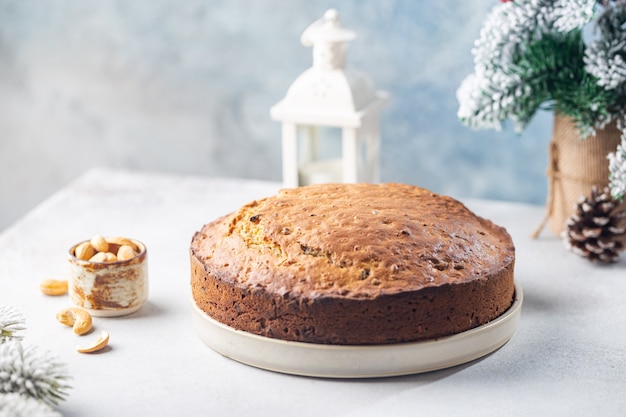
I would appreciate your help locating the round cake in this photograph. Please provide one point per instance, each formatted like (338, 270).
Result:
(353, 264)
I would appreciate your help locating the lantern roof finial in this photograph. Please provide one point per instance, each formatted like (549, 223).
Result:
(327, 29)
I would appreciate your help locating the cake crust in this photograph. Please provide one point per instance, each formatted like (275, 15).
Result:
(353, 264)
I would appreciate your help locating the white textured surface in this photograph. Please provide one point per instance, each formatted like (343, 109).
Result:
(186, 87)
(566, 359)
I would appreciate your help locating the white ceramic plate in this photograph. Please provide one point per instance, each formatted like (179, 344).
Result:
(344, 361)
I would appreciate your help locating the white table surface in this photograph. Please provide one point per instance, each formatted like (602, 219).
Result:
(567, 358)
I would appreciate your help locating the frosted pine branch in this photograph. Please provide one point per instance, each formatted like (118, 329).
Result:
(16, 405)
(617, 170)
(605, 57)
(11, 323)
(494, 91)
(572, 14)
(511, 25)
(484, 106)
(508, 26)
(26, 371)
(531, 55)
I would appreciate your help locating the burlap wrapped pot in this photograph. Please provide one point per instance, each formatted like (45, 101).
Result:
(575, 165)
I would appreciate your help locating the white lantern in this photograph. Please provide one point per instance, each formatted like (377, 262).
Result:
(328, 95)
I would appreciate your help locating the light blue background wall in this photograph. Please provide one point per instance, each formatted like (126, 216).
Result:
(186, 87)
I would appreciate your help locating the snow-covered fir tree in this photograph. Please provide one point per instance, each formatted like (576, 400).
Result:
(31, 381)
(30, 372)
(531, 55)
(17, 405)
(11, 324)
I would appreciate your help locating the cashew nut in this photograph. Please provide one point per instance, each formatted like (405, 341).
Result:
(77, 318)
(121, 241)
(53, 286)
(110, 249)
(103, 257)
(84, 251)
(125, 252)
(101, 341)
(99, 243)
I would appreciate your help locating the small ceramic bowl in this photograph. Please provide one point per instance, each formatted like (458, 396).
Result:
(109, 289)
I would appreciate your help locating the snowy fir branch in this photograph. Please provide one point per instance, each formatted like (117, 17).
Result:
(531, 55)
(31, 381)
(606, 56)
(29, 372)
(617, 170)
(11, 324)
(17, 405)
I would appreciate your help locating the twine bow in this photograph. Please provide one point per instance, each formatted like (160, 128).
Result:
(552, 173)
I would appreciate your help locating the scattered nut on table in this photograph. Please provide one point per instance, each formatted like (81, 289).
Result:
(100, 342)
(53, 286)
(77, 318)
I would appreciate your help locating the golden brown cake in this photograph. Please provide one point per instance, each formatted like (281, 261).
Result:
(353, 264)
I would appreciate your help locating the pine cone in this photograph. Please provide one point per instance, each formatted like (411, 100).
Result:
(596, 230)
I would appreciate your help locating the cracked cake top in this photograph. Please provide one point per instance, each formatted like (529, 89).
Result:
(353, 240)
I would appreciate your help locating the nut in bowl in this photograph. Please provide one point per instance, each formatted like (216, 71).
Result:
(108, 276)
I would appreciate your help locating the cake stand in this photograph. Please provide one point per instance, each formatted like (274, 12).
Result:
(360, 361)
